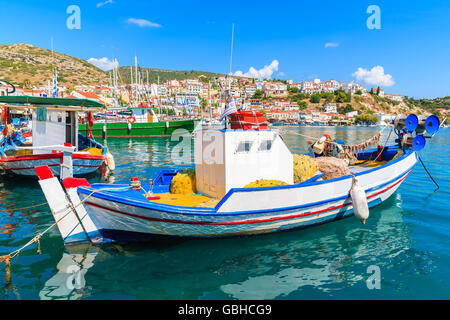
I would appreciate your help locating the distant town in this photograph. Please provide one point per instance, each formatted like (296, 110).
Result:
(309, 102)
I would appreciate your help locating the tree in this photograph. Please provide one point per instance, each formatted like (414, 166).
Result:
(378, 91)
(258, 94)
(366, 119)
(341, 97)
(315, 98)
(294, 90)
(349, 97)
(343, 110)
(204, 104)
(302, 105)
(27, 83)
(358, 92)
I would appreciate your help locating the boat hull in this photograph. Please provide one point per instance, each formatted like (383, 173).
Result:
(25, 165)
(138, 130)
(244, 211)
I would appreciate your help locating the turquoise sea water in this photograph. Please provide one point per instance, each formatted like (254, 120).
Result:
(407, 237)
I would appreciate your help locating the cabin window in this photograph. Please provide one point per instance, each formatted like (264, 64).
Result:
(244, 146)
(266, 145)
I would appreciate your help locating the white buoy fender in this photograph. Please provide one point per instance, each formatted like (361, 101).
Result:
(110, 161)
(360, 205)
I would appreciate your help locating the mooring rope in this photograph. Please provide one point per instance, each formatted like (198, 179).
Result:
(6, 259)
(30, 207)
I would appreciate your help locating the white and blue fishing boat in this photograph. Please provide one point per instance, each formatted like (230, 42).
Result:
(134, 211)
(53, 133)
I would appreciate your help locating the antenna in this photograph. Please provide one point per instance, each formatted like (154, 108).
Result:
(231, 56)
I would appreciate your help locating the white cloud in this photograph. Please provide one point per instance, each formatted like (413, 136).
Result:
(331, 45)
(143, 23)
(101, 4)
(264, 73)
(376, 76)
(104, 63)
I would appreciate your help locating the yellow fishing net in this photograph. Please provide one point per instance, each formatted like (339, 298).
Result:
(185, 200)
(24, 152)
(183, 183)
(93, 151)
(265, 183)
(304, 168)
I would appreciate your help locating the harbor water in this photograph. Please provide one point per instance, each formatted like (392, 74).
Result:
(405, 243)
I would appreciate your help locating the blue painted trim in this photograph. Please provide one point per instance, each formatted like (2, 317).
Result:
(233, 190)
(212, 212)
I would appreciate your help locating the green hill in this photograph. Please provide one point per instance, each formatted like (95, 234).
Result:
(26, 65)
(125, 73)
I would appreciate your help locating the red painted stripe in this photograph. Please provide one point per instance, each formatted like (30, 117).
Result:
(48, 165)
(51, 156)
(33, 157)
(54, 165)
(87, 156)
(244, 221)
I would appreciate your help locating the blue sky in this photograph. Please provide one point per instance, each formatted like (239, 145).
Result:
(412, 46)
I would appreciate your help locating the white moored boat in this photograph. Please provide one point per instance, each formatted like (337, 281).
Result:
(121, 212)
(54, 132)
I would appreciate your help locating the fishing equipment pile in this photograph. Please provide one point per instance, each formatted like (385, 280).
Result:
(184, 183)
(332, 167)
(304, 168)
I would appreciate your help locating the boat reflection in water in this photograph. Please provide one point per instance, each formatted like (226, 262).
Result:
(315, 262)
(69, 283)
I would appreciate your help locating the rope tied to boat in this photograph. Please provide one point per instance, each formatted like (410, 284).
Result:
(6, 259)
(346, 147)
(30, 207)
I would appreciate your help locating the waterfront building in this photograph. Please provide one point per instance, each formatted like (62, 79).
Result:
(330, 108)
(394, 97)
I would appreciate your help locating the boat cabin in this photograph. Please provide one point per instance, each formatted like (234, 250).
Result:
(227, 158)
(54, 120)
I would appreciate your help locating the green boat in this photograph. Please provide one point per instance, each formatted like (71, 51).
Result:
(133, 122)
(138, 129)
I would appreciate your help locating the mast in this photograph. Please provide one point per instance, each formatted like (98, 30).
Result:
(131, 85)
(209, 101)
(136, 69)
(228, 84)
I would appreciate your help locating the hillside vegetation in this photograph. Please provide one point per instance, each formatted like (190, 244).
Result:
(125, 74)
(26, 65)
(364, 103)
